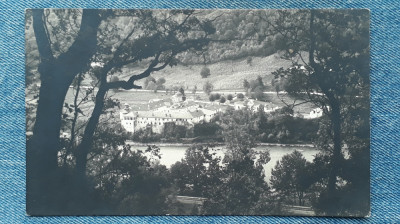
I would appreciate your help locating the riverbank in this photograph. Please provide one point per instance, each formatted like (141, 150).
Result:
(164, 144)
(161, 144)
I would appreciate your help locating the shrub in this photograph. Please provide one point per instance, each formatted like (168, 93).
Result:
(211, 97)
(205, 72)
(249, 60)
(206, 129)
(208, 88)
(215, 96)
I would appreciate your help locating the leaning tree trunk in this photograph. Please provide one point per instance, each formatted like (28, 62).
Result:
(85, 146)
(87, 139)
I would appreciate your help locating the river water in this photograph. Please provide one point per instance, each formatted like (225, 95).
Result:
(171, 154)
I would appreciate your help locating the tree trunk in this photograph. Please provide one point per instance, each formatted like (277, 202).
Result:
(336, 155)
(301, 195)
(43, 147)
(87, 140)
(75, 119)
(335, 113)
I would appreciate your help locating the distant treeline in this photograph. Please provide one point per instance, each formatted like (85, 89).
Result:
(267, 128)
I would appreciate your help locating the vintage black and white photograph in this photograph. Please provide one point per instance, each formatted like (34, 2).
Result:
(197, 112)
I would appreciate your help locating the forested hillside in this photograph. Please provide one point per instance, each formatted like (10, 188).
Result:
(242, 44)
(239, 34)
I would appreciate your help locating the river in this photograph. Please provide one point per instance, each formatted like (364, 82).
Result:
(171, 154)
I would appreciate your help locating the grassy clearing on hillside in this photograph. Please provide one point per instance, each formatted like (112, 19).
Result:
(224, 75)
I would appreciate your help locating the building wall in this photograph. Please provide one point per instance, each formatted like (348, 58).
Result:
(316, 113)
(133, 124)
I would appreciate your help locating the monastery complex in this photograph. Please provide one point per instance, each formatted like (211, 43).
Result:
(185, 112)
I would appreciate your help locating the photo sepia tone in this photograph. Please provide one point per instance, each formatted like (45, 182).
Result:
(197, 112)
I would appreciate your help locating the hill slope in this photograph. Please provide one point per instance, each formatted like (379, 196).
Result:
(224, 75)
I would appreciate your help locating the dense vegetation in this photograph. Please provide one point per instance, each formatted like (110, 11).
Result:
(276, 127)
(240, 34)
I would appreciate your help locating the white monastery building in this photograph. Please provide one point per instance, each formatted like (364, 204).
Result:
(160, 112)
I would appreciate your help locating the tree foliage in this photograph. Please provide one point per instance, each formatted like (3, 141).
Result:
(255, 88)
(244, 190)
(214, 96)
(205, 72)
(131, 181)
(289, 177)
(208, 87)
(206, 129)
(198, 173)
(329, 50)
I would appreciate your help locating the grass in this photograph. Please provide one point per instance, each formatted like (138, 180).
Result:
(224, 75)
